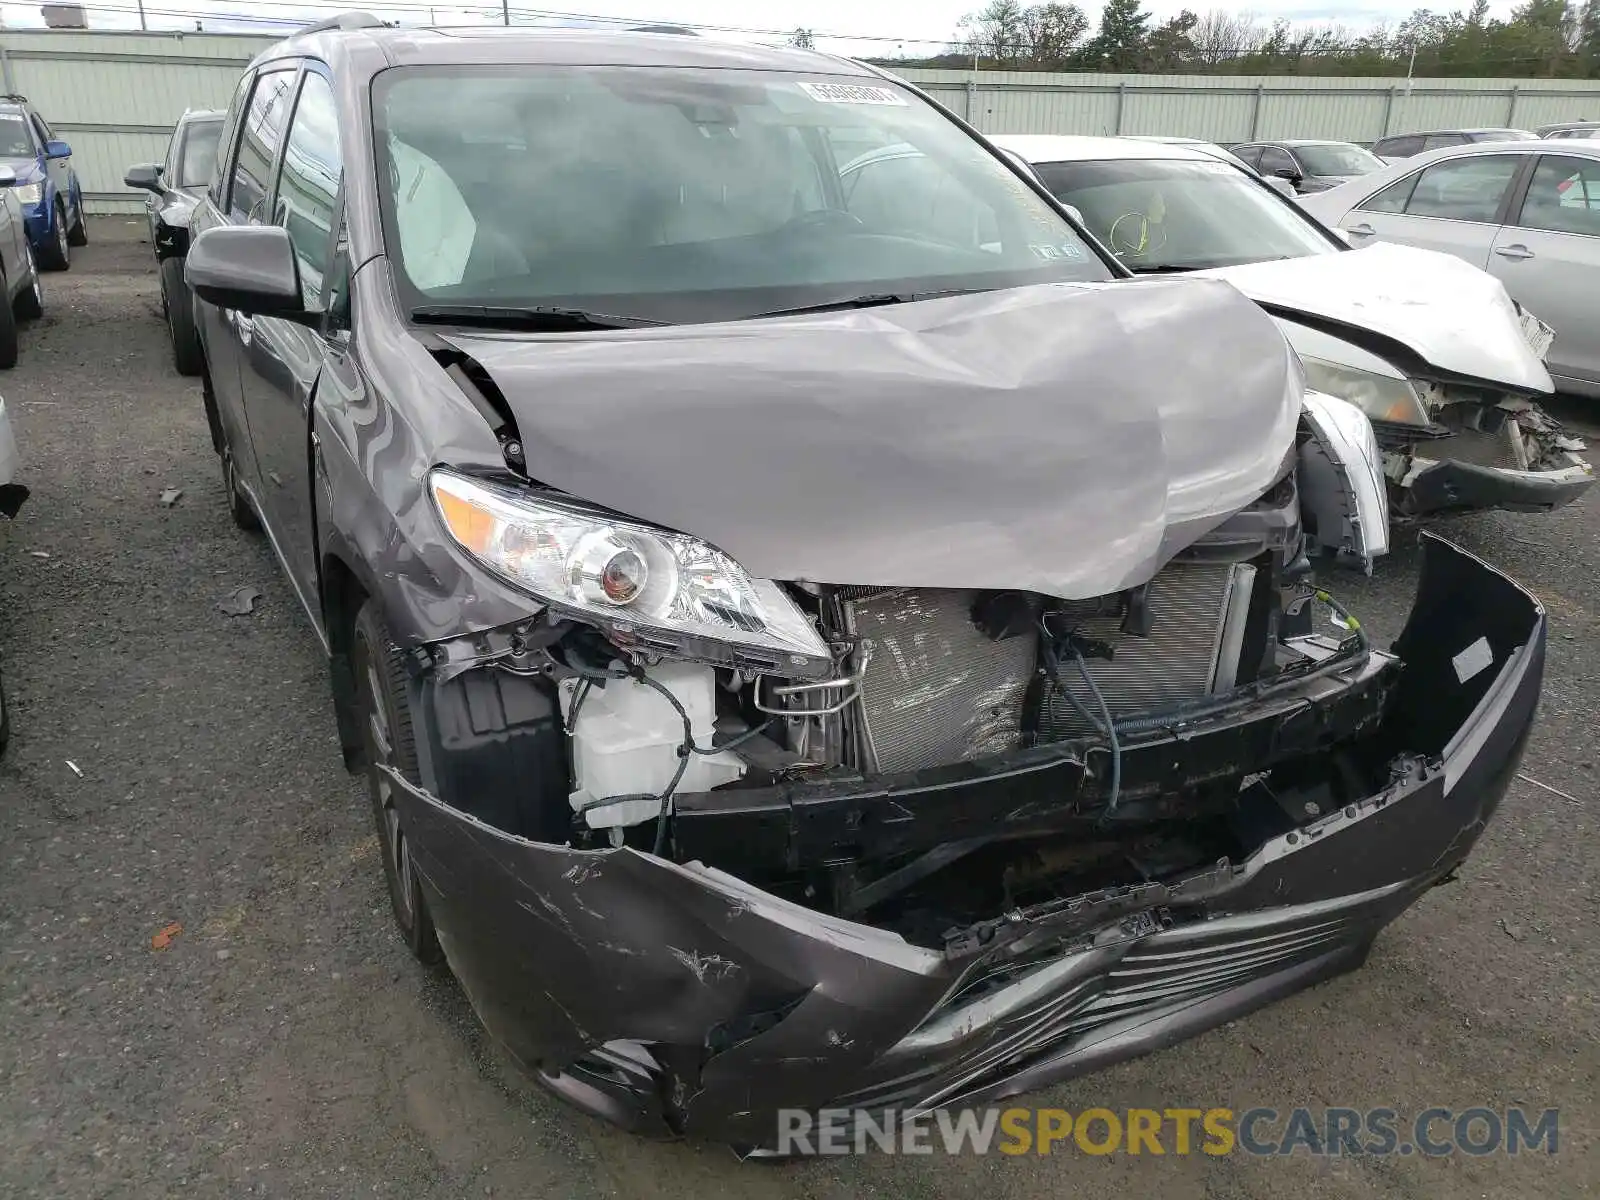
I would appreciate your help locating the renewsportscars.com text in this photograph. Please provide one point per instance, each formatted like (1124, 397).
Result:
(1433, 1132)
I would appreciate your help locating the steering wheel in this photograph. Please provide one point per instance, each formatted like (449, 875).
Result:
(1133, 234)
(823, 218)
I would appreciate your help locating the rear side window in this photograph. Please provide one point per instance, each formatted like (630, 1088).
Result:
(261, 132)
(230, 128)
(308, 185)
(1250, 154)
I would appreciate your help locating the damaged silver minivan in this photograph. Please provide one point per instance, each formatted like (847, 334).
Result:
(803, 656)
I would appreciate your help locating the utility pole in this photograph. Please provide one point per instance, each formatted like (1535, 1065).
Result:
(505, 12)
(142, 25)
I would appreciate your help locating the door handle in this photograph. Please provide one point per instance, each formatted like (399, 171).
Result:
(1516, 250)
(1363, 230)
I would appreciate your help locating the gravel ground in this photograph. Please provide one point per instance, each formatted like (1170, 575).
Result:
(283, 1044)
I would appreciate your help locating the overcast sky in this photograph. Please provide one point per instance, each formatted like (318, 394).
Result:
(884, 27)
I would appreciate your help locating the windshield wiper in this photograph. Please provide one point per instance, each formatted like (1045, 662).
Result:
(869, 300)
(535, 319)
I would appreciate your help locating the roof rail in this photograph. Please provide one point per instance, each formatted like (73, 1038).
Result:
(346, 20)
(677, 29)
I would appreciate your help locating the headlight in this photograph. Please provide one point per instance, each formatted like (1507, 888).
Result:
(1381, 397)
(668, 591)
(28, 193)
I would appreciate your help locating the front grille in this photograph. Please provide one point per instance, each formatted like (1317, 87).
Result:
(1173, 666)
(936, 689)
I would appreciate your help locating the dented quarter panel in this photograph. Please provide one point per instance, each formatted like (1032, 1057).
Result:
(978, 441)
(1455, 318)
(730, 1003)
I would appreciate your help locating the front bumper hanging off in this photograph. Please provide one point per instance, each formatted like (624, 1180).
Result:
(676, 999)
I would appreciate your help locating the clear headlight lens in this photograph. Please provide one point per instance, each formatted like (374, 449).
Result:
(1381, 397)
(28, 193)
(631, 578)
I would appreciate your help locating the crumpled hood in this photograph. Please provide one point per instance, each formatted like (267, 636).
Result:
(1455, 317)
(1065, 439)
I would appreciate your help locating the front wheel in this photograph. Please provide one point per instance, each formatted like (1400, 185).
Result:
(29, 304)
(55, 255)
(180, 318)
(78, 235)
(8, 335)
(388, 740)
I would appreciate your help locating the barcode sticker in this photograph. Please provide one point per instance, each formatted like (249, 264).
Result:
(852, 93)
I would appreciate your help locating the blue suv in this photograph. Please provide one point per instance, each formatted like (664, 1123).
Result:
(47, 186)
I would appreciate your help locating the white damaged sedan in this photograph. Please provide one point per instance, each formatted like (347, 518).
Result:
(1447, 365)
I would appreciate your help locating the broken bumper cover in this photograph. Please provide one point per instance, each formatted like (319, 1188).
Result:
(675, 999)
(1451, 486)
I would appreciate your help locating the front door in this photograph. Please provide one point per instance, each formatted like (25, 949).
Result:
(280, 364)
(1453, 206)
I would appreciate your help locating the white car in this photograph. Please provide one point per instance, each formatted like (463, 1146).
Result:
(1526, 212)
(1433, 350)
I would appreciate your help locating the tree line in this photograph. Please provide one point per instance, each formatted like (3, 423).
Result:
(1552, 39)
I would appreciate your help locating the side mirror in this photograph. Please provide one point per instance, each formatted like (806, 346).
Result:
(1076, 214)
(8, 177)
(1289, 173)
(57, 149)
(1282, 186)
(250, 269)
(146, 177)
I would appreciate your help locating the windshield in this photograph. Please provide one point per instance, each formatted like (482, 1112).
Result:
(199, 153)
(1159, 214)
(691, 195)
(1337, 158)
(14, 139)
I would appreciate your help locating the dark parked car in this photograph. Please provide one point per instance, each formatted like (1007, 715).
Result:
(808, 649)
(47, 185)
(21, 298)
(1310, 166)
(175, 186)
(1406, 145)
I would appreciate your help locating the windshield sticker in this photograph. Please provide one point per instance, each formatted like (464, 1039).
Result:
(1051, 252)
(852, 93)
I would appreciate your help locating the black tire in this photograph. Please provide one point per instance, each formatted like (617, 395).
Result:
(238, 504)
(78, 235)
(54, 255)
(29, 304)
(389, 741)
(8, 336)
(180, 319)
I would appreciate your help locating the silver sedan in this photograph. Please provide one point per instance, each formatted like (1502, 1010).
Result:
(1527, 212)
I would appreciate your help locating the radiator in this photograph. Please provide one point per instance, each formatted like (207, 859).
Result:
(1176, 664)
(936, 690)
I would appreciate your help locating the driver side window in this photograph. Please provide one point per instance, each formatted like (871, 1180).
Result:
(1275, 159)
